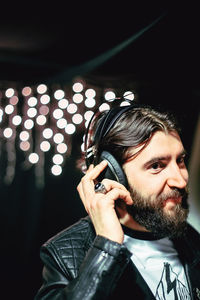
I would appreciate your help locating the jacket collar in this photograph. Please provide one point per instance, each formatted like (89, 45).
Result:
(187, 246)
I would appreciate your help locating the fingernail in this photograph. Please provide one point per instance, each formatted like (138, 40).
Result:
(104, 162)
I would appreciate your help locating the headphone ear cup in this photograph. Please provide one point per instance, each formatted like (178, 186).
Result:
(113, 171)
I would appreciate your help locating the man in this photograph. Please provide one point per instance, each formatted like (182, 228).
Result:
(135, 242)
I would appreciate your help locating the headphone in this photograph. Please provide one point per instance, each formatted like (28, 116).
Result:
(113, 171)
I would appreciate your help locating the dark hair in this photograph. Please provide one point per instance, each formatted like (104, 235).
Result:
(134, 128)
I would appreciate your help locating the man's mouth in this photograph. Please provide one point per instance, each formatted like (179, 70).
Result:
(172, 201)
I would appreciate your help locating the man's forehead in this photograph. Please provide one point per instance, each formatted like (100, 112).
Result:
(161, 143)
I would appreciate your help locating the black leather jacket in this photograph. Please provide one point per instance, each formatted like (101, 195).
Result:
(78, 265)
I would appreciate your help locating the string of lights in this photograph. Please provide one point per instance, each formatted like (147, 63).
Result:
(36, 120)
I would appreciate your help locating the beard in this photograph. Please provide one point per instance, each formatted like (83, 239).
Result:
(151, 214)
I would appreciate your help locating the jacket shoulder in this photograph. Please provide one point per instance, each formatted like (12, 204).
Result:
(188, 245)
(193, 234)
(68, 248)
(77, 231)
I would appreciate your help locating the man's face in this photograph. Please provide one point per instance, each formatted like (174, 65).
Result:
(158, 180)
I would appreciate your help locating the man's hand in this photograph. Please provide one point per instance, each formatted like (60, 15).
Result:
(101, 207)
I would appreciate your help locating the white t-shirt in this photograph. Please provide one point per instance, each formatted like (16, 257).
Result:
(159, 264)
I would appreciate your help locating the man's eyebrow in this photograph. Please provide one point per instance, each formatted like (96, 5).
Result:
(155, 159)
(162, 158)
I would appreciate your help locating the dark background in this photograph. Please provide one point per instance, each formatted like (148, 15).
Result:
(53, 43)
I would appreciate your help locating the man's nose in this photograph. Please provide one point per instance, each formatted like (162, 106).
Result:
(177, 177)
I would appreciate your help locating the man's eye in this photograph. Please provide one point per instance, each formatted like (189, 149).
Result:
(181, 160)
(155, 166)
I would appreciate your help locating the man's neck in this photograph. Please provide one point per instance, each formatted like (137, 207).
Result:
(126, 220)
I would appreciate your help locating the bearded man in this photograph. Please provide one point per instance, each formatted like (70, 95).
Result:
(135, 240)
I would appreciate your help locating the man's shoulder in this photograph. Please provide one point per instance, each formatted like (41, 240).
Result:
(189, 244)
(78, 234)
(192, 233)
(68, 248)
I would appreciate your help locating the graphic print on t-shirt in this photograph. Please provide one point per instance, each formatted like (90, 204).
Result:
(170, 287)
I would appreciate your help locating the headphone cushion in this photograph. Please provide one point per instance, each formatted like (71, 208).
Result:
(113, 171)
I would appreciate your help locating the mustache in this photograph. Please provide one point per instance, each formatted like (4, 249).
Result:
(176, 193)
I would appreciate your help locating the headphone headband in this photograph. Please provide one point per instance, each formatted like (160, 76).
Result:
(110, 119)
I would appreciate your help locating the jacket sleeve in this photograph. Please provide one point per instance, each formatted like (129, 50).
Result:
(98, 274)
